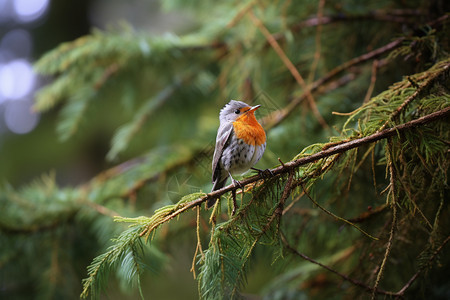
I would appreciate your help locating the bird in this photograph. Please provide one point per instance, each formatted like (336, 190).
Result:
(240, 144)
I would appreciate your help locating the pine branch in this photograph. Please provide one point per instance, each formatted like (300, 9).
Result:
(398, 16)
(435, 78)
(7, 228)
(287, 167)
(378, 15)
(125, 179)
(124, 249)
(126, 132)
(370, 55)
(276, 117)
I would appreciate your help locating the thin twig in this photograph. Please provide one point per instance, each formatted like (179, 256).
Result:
(102, 209)
(368, 214)
(401, 292)
(278, 116)
(241, 14)
(377, 15)
(360, 59)
(199, 244)
(108, 72)
(393, 194)
(286, 192)
(276, 215)
(295, 200)
(373, 79)
(291, 67)
(335, 216)
(314, 64)
(343, 276)
(436, 77)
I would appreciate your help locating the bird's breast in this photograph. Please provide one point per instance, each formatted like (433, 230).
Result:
(249, 130)
(240, 156)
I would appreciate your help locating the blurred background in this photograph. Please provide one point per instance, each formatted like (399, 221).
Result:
(29, 143)
(28, 29)
(110, 108)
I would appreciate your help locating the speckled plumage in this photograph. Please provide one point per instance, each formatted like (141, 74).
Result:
(238, 156)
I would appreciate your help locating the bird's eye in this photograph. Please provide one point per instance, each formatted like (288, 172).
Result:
(237, 111)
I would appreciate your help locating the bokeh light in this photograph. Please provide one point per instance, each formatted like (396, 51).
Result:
(16, 79)
(29, 10)
(17, 43)
(19, 118)
(5, 11)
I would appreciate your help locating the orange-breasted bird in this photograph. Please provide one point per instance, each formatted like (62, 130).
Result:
(240, 143)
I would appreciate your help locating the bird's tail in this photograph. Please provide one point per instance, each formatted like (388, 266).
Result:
(217, 186)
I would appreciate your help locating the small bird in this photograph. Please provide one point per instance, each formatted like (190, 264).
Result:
(240, 144)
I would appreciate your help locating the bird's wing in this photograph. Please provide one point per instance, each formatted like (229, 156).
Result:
(223, 135)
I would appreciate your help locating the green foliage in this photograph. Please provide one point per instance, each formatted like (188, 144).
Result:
(377, 212)
(127, 250)
(225, 263)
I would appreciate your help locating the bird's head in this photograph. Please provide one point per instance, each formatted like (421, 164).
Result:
(235, 109)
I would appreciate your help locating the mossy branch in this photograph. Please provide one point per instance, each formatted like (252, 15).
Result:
(175, 210)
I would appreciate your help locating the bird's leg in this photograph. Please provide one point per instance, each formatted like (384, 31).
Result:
(263, 173)
(233, 194)
(236, 183)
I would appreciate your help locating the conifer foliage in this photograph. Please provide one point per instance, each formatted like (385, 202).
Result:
(356, 103)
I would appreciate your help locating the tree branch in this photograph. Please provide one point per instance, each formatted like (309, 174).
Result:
(343, 276)
(441, 114)
(420, 89)
(393, 194)
(287, 167)
(398, 16)
(278, 116)
(348, 146)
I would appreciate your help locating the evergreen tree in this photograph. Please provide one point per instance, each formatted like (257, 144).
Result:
(355, 100)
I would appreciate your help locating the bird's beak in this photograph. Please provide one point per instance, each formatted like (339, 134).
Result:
(254, 108)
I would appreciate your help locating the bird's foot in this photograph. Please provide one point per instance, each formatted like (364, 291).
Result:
(236, 183)
(267, 173)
